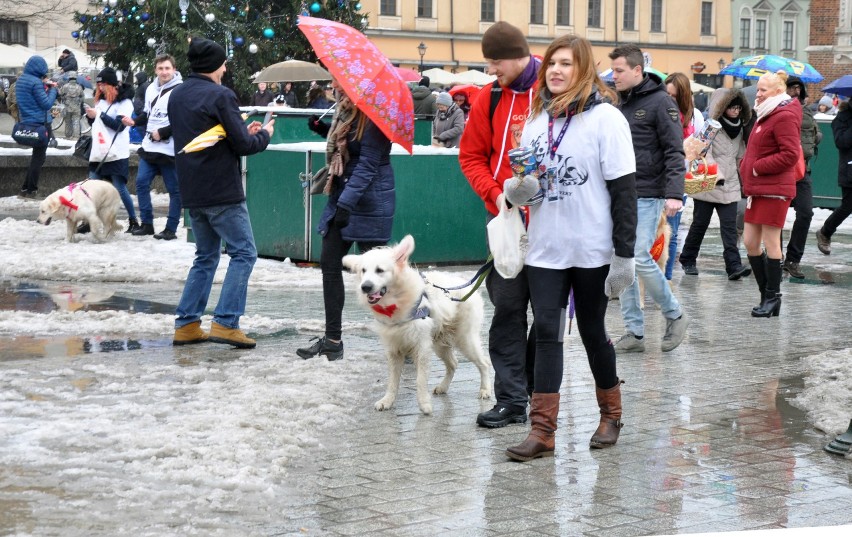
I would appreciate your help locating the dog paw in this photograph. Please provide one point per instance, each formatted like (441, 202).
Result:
(485, 394)
(383, 404)
(440, 389)
(426, 409)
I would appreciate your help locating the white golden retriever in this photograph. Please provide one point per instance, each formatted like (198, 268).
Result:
(413, 318)
(93, 201)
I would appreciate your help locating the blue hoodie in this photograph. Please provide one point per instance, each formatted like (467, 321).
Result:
(33, 100)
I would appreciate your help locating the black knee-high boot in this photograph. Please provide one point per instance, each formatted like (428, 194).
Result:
(758, 268)
(771, 305)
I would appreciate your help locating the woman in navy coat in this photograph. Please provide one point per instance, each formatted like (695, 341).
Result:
(360, 209)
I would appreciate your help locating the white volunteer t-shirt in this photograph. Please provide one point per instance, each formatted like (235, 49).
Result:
(572, 226)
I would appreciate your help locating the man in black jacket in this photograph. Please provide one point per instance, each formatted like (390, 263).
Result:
(211, 189)
(657, 133)
(67, 61)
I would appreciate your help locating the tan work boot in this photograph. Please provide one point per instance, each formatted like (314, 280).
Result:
(189, 334)
(231, 336)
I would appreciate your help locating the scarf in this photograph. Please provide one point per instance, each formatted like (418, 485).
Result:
(732, 128)
(770, 104)
(336, 153)
(527, 77)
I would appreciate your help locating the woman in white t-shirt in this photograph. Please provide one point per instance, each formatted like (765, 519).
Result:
(582, 231)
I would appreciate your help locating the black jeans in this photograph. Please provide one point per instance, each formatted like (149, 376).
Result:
(839, 214)
(701, 214)
(803, 203)
(36, 162)
(549, 290)
(331, 265)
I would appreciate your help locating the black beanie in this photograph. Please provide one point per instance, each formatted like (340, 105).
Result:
(107, 76)
(424, 81)
(502, 41)
(796, 81)
(205, 56)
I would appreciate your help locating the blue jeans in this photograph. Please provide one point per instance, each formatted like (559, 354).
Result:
(144, 176)
(120, 184)
(210, 226)
(674, 224)
(649, 210)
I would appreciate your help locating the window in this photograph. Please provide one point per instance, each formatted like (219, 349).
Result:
(594, 14)
(745, 33)
(536, 11)
(424, 9)
(787, 38)
(760, 34)
(563, 13)
(629, 14)
(656, 15)
(706, 18)
(387, 7)
(13, 32)
(486, 10)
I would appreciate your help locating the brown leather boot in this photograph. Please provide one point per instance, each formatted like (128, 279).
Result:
(609, 428)
(544, 408)
(189, 334)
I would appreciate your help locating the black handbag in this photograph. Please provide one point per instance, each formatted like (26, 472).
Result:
(83, 148)
(30, 134)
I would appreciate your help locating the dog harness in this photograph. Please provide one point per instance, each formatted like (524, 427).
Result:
(419, 311)
(66, 202)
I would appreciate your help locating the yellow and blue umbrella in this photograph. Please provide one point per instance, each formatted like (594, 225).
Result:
(753, 67)
(208, 138)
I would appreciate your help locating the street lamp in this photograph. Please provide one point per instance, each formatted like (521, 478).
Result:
(421, 49)
(722, 63)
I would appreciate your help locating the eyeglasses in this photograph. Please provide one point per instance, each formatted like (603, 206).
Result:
(735, 107)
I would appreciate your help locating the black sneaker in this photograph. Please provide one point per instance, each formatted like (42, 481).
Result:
(501, 416)
(692, 270)
(741, 272)
(332, 351)
(165, 235)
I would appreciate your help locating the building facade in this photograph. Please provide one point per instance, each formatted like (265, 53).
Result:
(690, 36)
(830, 48)
(780, 27)
(39, 24)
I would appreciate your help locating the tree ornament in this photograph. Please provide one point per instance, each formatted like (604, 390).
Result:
(358, 7)
(83, 18)
(133, 9)
(239, 41)
(268, 33)
(75, 34)
(232, 9)
(113, 3)
(151, 42)
(106, 10)
(253, 48)
(210, 17)
(183, 5)
(140, 2)
(145, 16)
(315, 7)
(120, 19)
(142, 26)
(111, 20)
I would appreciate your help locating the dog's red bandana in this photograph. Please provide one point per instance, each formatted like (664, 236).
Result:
(385, 310)
(66, 202)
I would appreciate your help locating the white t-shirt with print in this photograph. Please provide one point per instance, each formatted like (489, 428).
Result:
(121, 147)
(572, 226)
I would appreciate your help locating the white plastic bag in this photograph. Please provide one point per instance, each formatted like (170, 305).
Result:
(101, 141)
(507, 238)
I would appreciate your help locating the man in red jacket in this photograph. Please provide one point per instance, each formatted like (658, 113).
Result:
(488, 137)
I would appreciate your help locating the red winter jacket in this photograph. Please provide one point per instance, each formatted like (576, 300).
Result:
(483, 139)
(772, 151)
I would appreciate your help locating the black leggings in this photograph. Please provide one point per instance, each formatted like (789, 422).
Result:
(331, 264)
(549, 296)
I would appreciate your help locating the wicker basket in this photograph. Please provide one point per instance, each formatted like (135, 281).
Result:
(700, 182)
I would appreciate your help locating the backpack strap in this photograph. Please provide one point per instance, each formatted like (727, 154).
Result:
(496, 93)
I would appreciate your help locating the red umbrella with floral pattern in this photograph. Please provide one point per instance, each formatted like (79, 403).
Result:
(366, 75)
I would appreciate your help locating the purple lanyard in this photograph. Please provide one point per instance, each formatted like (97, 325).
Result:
(551, 146)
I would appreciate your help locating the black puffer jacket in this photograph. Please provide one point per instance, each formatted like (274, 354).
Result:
(841, 126)
(657, 139)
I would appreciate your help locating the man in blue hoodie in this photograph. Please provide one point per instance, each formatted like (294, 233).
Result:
(211, 188)
(35, 97)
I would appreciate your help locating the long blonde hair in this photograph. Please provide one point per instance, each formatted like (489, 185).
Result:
(585, 77)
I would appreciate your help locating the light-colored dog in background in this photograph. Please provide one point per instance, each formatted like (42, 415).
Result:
(93, 201)
(415, 318)
(659, 251)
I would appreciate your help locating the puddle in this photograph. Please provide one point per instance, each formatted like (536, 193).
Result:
(29, 347)
(68, 297)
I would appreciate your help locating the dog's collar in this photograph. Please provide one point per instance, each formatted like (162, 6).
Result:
(419, 311)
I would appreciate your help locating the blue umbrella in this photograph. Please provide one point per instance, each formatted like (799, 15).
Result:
(754, 67)
(841, 86)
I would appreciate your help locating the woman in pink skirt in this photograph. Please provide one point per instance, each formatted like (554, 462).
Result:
(768, 177)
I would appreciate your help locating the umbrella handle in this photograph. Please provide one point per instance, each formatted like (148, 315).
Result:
(330, 108)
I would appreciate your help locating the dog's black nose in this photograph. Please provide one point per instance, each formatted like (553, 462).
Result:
(367, 287)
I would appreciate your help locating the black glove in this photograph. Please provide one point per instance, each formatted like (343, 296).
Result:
(319, 127)
(341, 218)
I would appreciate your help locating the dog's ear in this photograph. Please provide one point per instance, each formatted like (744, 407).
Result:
(352, 262)
(51, 205)
(403, 250)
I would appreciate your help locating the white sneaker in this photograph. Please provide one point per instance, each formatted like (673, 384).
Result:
(675, 331)
(629, 343)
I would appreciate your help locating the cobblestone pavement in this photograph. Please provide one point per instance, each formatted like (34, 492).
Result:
(711, 441)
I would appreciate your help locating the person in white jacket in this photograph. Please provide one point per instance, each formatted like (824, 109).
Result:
(157, 154)
(110, 117)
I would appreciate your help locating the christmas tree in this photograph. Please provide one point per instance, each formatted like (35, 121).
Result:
(254, 33)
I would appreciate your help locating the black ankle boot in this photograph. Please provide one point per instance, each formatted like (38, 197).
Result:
(144, 229)
(758, 268)
(132, 226)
